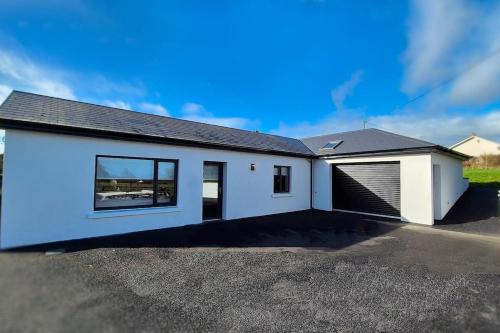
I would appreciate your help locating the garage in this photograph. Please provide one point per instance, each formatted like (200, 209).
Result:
(373, 188)
(377, 172)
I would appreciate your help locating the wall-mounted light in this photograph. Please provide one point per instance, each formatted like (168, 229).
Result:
(252, 167)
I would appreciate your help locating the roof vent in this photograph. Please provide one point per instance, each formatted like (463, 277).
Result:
(332, 145)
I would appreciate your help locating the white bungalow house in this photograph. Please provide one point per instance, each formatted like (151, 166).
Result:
(477, 146)
(75, 170)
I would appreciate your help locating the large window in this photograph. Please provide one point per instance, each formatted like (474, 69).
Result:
(281, 179)
(123, 182)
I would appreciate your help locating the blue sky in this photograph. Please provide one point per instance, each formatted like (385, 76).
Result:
(296, 68)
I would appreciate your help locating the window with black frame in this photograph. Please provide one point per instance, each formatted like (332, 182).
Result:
(281, 179)
(126, 182)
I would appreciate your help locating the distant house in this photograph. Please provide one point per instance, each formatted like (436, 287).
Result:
(477, 146)
(76, 170)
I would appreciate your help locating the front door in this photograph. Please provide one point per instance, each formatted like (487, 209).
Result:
(212, 190)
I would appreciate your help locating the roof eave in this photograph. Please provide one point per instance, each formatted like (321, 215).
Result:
(419, 150)
(455, 153)
(69, 130)
(377, 152)
(462, 142)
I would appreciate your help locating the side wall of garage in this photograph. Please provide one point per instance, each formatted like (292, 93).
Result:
(416, 184)
(450, 181)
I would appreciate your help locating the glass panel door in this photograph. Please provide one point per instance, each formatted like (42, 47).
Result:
(212, 190)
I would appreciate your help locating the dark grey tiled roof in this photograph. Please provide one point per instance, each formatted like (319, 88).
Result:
(364, 141)
(42, 110)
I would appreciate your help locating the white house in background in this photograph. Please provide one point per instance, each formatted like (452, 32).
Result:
(75, 170)
(477, 146)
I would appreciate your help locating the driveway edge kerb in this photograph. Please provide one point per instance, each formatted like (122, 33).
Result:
(431, 229)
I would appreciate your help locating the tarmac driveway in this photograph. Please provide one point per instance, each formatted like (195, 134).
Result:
(306, 271)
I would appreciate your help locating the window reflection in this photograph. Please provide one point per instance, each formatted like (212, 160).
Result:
(166, 182)
(130, 182)
(281, 179)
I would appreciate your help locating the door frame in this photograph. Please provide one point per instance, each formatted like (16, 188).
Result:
(220, 191)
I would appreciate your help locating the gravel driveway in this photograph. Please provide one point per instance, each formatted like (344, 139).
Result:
(305, 271)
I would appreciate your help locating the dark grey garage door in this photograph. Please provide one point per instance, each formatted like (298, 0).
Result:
(368, 187)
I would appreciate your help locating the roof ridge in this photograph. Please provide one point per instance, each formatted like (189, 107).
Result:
(461, 141)
(470, 137)
(373, 129)
(148, 114)
(336, 133)
(406, 137)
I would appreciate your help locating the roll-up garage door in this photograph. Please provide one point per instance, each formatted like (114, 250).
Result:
(368, 188)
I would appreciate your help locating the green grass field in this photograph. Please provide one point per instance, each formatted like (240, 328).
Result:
(483, 176)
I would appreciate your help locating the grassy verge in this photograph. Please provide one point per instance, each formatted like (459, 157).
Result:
(483, 176)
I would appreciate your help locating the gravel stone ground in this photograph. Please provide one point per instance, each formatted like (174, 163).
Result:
(307, 271)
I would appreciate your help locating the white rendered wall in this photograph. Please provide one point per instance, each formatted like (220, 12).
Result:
(48, 187)
(416, 184)
(453, 184)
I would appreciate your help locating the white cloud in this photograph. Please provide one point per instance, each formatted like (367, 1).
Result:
(154, 109)
(435, 30)
(235, 122)
(454, 37)
(444, 129)
(332, 123)
(102, 85)
(306, 129)
(340, 93)
(478, 86)
(481, 84)
(192, 108)
(118, 104)
(341, 120)
(445, 38)
(20, 72)
(4, 92)
(197, 112)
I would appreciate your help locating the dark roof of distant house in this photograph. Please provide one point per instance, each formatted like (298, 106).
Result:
(369, 140)
(32, 111)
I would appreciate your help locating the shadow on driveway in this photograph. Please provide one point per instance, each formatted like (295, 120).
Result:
(478, 211)
(308, 229)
